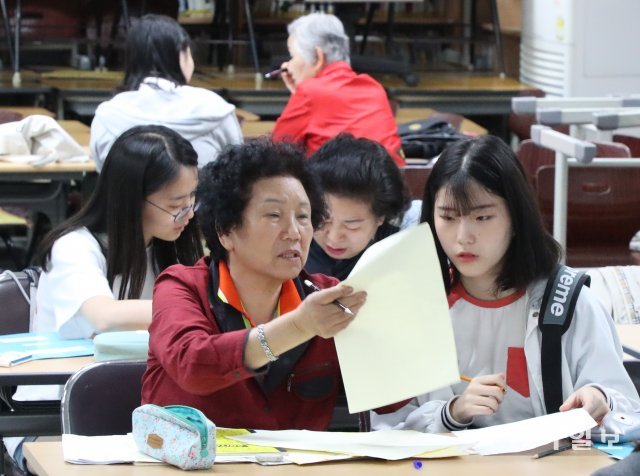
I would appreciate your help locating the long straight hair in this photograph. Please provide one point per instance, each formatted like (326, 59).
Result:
(153, 48)
(489, 162)
(142, 160)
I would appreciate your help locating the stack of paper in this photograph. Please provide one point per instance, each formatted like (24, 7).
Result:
(527, 434)
(229, 450)
(111, 449)
(385, 444)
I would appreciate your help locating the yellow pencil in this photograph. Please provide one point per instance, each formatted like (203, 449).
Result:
(466, 378)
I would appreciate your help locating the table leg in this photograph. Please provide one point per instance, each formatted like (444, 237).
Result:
(498, 36)
(17, 80)
(252, 37)
(7, 30)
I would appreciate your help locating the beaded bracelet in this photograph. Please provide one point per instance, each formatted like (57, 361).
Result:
(264, 345)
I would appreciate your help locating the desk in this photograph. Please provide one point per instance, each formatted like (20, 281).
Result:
(28, 111)
(57, 171)
(466, 126)
(258, 128)
(37, 420)
(43, 372)
(43, 188)
(46, 460)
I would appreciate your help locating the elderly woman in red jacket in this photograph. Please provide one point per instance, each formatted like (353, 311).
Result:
(327, 96)
(239, 335)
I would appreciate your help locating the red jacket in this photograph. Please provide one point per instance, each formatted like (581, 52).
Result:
(193, 362)
(339, 100)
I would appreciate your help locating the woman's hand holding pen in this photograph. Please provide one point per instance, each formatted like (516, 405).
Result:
(482, 396)
(318, 315)
(287, 78)
(591, 399)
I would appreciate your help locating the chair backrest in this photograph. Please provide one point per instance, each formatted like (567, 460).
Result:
(520, 125)
(532, 156)
(603, 210)
(632, 142)
(17, 291)
(415, 176)
(99, 398)
(633, 369)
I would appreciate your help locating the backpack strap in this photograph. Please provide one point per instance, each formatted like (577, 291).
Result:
(556, 313)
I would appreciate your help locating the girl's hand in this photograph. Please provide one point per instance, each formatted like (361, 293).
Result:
(317, 315)
(287, 78)
(591, 399)
(482, 396)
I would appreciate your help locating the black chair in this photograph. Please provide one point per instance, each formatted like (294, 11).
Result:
(99, 398)
(633, 369)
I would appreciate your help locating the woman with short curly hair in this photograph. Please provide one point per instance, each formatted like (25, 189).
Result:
(241, 335)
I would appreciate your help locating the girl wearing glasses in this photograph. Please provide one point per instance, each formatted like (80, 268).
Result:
(100, 265)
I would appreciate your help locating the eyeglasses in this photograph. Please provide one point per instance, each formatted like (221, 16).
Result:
(177, 217)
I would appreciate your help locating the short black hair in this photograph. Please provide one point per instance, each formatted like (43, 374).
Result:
(489, 162)
(153, 48)
(225, 186)
(363, 170)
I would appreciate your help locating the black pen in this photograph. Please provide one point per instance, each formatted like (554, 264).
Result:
(335, 301)
(553, 451)
(275, 72)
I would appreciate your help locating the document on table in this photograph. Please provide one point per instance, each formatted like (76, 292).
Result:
(527, 434)
(229, 450)
(401, 343)
(112, 449)
(385, 444)
(116, 449)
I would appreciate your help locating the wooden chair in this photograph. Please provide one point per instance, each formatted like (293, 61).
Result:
(632, 142)
(603, 212)
(99, 398)
(520, 124)
(415, 176)
(533, 156)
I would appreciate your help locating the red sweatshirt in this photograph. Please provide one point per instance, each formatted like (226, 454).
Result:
(339, 100)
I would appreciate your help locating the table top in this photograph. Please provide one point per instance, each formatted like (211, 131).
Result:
(76, 129)
(408, 114)
(49, 169)
(46, 459)
(28, 111)
(259, 128)
(44, 371)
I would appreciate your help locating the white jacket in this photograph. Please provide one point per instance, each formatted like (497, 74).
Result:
(592, 354)
(199, 115)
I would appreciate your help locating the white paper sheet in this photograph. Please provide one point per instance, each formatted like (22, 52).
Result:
(385, 444)
(401, 343)
(111, 449)
(527, 434)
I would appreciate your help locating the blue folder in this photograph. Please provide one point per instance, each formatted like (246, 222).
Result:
(45, 345)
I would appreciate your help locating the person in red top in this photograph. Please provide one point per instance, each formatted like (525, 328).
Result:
(239, 335)
(327, 96)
